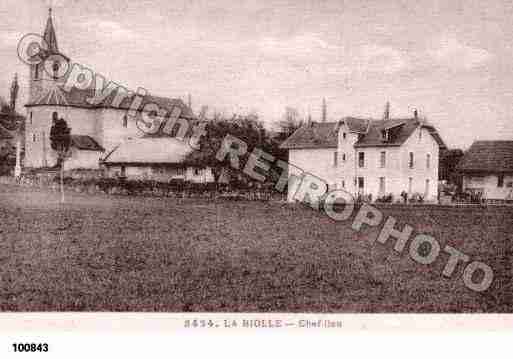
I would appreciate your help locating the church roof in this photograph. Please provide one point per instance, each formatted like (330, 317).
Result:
(58, 96)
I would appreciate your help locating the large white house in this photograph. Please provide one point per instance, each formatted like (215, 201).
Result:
(101, 130)
(487, 169)
(368, 157)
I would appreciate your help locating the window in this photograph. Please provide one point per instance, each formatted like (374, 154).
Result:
(426, 190)
(343, 184)
(428, 161)
(500, 181)
(382, 185)
(385, 135)
(344, 135)
(55, 69)
(360, 182)
(410, 185)
(410, 162)
(344, 157)
(30, 118)
(383, 159)
(335, 159)
(361, 159)
(123, 171)
(36, 72)
(33, 137)
(196, 172)
(125, 121)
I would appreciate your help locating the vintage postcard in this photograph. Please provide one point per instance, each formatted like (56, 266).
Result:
(270, 165)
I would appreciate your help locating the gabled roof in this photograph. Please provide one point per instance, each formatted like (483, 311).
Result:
(358, 125)
(313, 135)
(140, 151)
(400, 130)
(85, 143)
(325, 135)
(488, 156)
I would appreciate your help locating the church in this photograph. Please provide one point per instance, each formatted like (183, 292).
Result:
(103, 136)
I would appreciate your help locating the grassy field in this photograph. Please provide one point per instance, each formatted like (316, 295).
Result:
(100, 253)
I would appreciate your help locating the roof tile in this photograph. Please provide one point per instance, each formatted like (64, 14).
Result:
(324, 134)
(488, 156)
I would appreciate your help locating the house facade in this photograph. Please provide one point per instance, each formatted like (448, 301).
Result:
(487, 169)
(368, 157)
(98, 128)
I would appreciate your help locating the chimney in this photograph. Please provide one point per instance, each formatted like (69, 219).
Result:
(386, 114)
(324, 110)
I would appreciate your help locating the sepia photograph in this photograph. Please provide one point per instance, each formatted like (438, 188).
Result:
(256, 164)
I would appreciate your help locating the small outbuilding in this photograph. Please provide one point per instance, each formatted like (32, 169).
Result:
(155, 158)
(487, 169)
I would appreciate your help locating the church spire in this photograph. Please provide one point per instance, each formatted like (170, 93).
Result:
(49, 35)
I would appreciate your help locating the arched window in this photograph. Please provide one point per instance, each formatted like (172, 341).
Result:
(55, 69)
(125, 121)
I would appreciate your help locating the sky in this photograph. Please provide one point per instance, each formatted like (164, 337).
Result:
(451, 60)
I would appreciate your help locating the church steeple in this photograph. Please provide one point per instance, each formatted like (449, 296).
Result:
(49, 35)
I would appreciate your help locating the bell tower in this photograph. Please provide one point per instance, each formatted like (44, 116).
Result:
(46, 70)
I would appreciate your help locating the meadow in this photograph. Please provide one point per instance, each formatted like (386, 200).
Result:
(120, 253)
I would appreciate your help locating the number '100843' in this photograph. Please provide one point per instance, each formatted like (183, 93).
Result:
(30, 347)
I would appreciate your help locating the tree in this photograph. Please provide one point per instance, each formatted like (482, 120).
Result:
(14, 93)
(247, 128)
(449, 159)
(60, 139)
(4, 106)
(7, 158)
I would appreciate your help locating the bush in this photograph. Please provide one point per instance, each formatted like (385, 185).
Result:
(177, 187)
(416, 198)
(388, 198)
